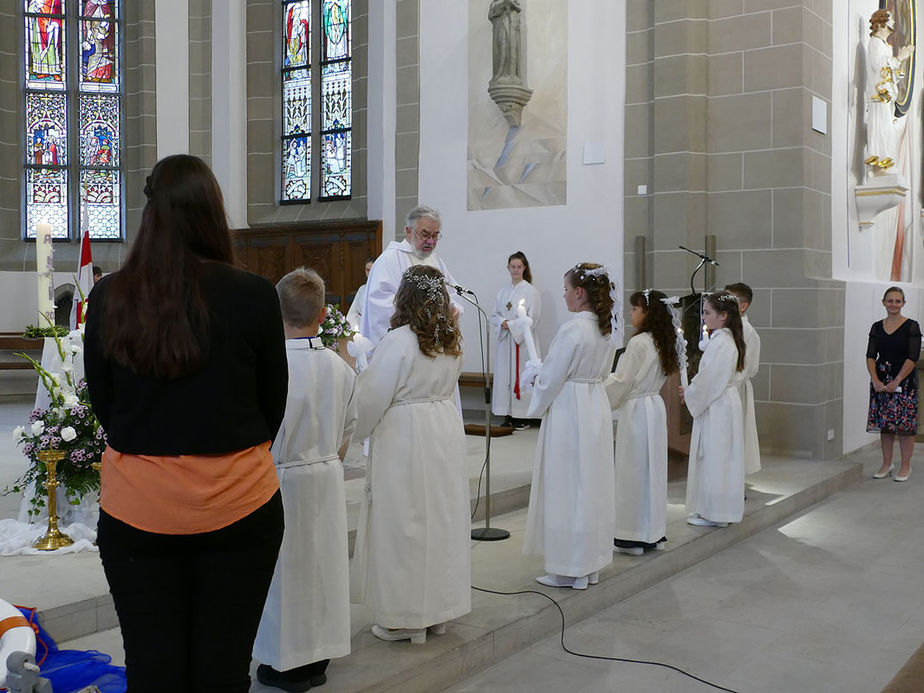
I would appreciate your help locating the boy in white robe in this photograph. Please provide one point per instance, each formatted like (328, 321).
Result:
(745, 295)
(306, 618)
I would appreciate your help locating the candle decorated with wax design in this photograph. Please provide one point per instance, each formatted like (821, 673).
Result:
(527, 333)
(44, 266)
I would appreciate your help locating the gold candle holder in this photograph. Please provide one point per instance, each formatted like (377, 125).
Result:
(53, 538)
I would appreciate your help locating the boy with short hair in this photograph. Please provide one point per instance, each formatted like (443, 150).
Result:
(306, 618)
(745, 295)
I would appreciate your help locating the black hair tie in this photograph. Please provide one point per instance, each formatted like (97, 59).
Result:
(148, 190)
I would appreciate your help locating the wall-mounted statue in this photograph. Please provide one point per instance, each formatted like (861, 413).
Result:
(883, 70)
(507, 86)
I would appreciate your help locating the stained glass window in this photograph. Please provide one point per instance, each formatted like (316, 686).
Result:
(73, 103)
(316, 72)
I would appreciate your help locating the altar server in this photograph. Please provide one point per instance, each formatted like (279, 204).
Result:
(634, 391)
(510, 399)
(412, 563)
(570, 516)
(306, 618)
(745, 295)
(715, 480)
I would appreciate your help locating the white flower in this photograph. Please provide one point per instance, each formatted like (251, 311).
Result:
(76, 349)
(67, 367)
(55, 380)
(68, 434)
(18, 433)
(70, 401)
(38, 427)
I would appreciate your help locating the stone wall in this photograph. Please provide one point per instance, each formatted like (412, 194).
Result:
(718, 127)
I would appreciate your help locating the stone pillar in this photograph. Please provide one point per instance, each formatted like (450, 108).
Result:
(724, 141)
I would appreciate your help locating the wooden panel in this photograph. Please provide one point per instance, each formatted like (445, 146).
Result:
(336, 249)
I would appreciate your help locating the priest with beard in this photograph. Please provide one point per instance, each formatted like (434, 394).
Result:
(422, 231)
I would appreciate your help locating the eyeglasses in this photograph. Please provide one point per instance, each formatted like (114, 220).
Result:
(435, 236)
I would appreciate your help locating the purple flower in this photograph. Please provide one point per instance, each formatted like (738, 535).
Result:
(36, 414)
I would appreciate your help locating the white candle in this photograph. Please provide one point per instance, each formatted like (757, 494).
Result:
(527, 332)
(684, 378)
(44, 266)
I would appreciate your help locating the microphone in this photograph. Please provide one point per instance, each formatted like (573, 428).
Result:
(460, 289)
(708, 259)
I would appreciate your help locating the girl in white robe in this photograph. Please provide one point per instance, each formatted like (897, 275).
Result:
(715, 479)
(509, 398)
(412, 562)
(634, 391)
(570, 516)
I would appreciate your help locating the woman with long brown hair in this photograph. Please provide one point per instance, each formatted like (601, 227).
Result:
(186, 369)
(412, 563)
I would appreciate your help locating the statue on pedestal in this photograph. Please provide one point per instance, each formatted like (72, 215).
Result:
(507, 86)
(883, 73)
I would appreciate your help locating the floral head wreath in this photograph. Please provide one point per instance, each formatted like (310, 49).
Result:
(646, 293)
(434, 291)
(604, 272)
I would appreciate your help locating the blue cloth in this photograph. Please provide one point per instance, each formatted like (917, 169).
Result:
(72, 670)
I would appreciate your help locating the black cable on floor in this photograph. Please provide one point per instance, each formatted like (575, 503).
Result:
(478, 492)
(590, 656)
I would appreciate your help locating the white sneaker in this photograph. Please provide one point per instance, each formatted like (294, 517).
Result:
(581, 583)
(661, 545)
(556, 581)
(631, 551)
(438, 628)
(593, 578)
(699, 521)
(417, 636)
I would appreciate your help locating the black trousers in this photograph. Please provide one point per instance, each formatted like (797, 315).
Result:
(189, 605)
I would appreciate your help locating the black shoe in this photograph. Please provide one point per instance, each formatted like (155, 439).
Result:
(520, 426)
(507, 422)
(293, 681)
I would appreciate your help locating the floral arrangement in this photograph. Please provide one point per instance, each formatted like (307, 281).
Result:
(68, 424)
(35, 332)
(334, 328)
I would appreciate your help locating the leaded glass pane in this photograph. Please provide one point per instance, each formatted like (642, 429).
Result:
(99, 130)
(98, 55)
(45, 46)
(336, 96)
(296, 102)
(46, 200)
(297, 34)
(296, 169)
(99, 196)
(336, 164)
(46, 129)
(335, 18)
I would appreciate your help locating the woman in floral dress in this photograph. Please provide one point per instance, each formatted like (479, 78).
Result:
(893, 351)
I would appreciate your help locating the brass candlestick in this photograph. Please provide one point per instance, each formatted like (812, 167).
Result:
(53, 538)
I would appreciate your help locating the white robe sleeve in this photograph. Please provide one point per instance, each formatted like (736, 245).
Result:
(380, 296)
(349, 422)
(716, 371)
(356, 308)
(619, 384)
(751, 353)
(453, 296)
(376, 386)
(498, 317)
(553, 374)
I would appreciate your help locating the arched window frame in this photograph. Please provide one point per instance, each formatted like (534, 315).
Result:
(316, 140)
(90, 183)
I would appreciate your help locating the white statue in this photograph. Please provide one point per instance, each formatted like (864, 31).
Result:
(505, 18)
(883, 73)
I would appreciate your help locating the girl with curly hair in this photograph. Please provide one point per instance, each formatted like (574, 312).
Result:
(571, 504)
(412, 564)
(715, 480)
(634, 390)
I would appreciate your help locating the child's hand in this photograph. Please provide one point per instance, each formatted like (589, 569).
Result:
(530, 373)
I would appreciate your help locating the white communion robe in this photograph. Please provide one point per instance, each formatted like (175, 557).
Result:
(412, 561)
(511, 349)
(715, 479)
(384, 280)
(356, 308)
(306, 616)
(570, 516)
(746, 392)
(641, 442)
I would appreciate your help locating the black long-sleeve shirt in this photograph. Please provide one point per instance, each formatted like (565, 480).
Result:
(236, 400)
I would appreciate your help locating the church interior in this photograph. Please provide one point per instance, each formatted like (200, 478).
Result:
(685, 145)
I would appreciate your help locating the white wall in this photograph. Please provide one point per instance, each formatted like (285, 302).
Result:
(863, 294)
(171, 27)
(590, 226)
(20, 298)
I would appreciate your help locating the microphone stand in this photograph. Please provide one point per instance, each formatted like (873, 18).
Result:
(486, 533)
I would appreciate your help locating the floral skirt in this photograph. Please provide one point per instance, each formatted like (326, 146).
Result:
(894, 412)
